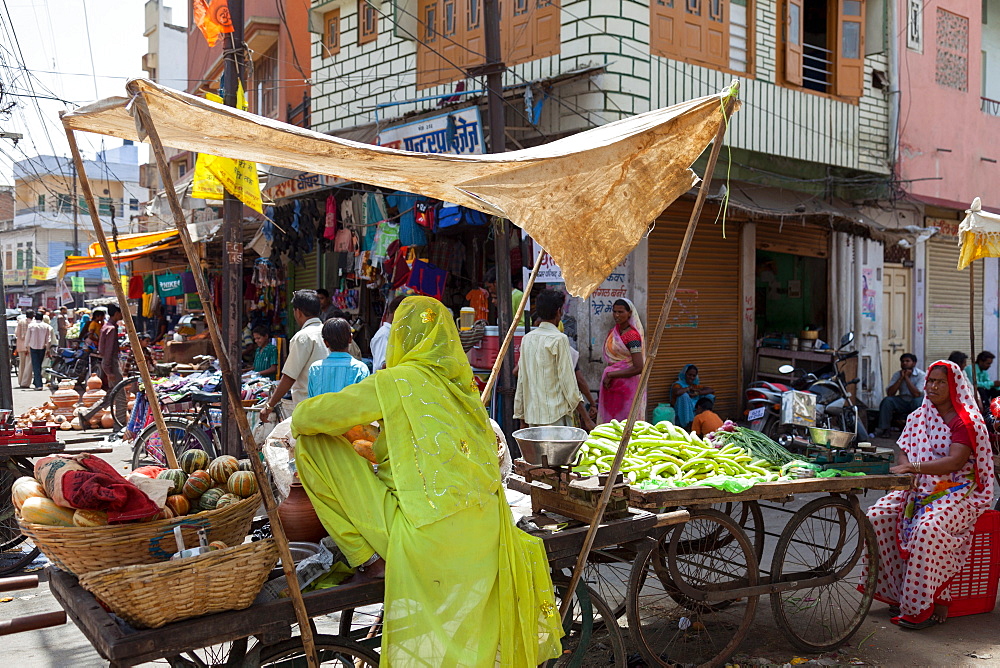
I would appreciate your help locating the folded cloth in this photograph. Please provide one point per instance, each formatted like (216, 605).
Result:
(88, 482)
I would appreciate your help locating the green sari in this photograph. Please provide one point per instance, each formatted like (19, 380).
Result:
(464, 586)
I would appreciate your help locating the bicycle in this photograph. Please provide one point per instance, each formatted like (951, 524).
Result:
(13, 555)
(186, 431)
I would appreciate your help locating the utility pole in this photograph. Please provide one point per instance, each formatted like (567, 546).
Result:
(494, 70)
(232, 236)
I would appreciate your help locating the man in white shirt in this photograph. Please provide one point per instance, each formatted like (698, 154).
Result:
(547, 391)
(380, 341)
(38, 339)
(21, 345)
(306, 347)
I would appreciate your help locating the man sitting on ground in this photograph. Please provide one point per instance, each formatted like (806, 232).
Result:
(904, 394)
(705, 420)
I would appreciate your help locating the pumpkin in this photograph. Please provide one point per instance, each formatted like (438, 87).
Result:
(222, 467)
(197, 484)
(362, 432)
(217, 545)
(177, 478)
(179, 504)
(242, 484)
(245, 465)
(24, 488)
(364, 448)
(227, 499)
(193, 460)
(90, 518)
(38, 510)
(165, 514)
(210, 499)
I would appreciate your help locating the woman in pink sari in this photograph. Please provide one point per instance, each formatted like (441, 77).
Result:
(924, 533)
(623, 353)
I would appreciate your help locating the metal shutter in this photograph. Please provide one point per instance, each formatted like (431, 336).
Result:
(948, 302)
(704, 327)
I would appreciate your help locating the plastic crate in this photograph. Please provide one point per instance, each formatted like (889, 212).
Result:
(862, 463)
(974, 589)
(35, 434)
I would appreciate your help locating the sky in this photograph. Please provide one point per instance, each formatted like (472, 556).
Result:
(62, 57)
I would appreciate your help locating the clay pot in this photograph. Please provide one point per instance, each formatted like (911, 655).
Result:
(299, 518)
(94, 391)
(65, 398)
(107, 421)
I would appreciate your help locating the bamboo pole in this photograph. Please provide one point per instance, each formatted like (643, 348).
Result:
(229, 377)
(652, 349)
(491, 381)
(972, 314)
(133, 335)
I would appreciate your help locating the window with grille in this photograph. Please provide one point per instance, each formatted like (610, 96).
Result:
(367, 23)
(824, 45)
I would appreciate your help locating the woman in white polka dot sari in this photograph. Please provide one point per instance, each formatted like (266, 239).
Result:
(924, 533)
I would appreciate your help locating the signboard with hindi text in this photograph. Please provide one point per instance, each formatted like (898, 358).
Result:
(460, 132)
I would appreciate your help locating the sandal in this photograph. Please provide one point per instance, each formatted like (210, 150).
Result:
(917, 626)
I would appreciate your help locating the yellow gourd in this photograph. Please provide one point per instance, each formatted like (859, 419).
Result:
(45, 511)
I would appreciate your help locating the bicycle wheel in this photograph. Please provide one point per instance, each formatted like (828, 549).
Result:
(332, 650)
(16, 551)
(607, 572)
(117, 401)
(148, 449)
(826, 538)
(666, 621)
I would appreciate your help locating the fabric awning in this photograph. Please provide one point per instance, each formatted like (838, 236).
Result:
(979, 234)
(83, 263)
(587, 199)
(131, 241)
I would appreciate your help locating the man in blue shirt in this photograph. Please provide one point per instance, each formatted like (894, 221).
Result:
(339, 369)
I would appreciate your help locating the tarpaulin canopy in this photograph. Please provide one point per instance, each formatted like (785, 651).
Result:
(979, 234)
(83, 263)
(587, 199)
(124, 242)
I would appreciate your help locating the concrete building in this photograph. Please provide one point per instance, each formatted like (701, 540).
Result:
(51, 219)
(811, 143)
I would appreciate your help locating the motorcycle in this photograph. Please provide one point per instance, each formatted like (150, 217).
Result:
(784, 411)
(70, 364)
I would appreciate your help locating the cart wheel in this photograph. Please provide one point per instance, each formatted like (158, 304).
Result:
(826, 538)
(16, 551)
(214, 655)
(606, 573)
(584, 637)
(332, 650)
(362, 623)
(748, 515)
(666, 621)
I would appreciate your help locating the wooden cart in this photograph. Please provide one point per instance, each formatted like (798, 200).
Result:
(684, 567)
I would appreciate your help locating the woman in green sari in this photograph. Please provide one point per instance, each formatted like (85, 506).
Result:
(463, 585)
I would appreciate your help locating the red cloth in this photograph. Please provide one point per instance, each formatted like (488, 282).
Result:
(135, 287)
(88, 482)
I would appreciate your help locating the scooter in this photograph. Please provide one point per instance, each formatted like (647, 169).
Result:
(785, 410)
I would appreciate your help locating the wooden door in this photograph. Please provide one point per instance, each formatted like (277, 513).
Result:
(793, 41)
(897, 323)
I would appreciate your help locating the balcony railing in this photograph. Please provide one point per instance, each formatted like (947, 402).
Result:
(989, 107)
(817, 67)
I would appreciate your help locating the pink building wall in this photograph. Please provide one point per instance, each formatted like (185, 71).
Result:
(943, 132)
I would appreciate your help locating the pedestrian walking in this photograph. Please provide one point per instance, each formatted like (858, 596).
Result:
(38, 339)
(21, 345)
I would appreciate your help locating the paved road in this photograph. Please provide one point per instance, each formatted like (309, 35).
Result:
(877, 643)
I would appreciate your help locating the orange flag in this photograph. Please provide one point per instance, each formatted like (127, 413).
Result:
(212, 19)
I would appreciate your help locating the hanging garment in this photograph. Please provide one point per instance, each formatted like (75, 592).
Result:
(424, 214)
(135, 287)
(330, 219)
(427, 279)
(385, 235)
(410, 234)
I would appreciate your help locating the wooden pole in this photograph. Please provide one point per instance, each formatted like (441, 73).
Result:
(651, 352)
(133, 335)
(513, 327)
(972, 314)
(229, 377)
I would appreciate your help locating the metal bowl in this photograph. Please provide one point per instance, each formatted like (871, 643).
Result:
(549, 446)
(830, 438)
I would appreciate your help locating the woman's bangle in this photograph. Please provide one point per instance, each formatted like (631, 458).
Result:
(916, 467)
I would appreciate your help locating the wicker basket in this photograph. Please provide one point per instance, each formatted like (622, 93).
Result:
(87, 549)
(152, 595)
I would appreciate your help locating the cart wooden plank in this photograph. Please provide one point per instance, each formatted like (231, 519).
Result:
(130, 649)
(31, 449)
(685, 496)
